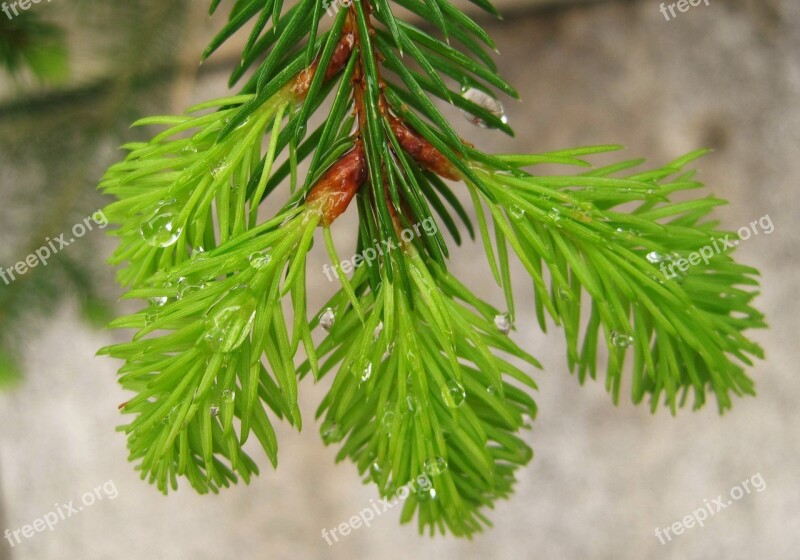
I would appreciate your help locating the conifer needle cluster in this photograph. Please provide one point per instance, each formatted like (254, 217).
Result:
(426, 377)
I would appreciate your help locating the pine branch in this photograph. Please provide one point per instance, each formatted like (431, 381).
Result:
(427, 380)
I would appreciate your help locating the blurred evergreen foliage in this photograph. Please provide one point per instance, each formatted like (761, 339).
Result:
(27, 42)
(59, 131)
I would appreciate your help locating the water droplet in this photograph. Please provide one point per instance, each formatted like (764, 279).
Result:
(527, 419)
(517, 212)
(259, 260)
(228, 396)
(670, 269)
(435, 466)
(331, 432)
(455, 395)
(503, 323)
(366, 373)
(152, 316)
(387, 420)
(230, 319)
(426, 494)
(327, 319)
(654, 257)
(524, 454)
(189, 149)
(377, 332)
(159, 301)
(582, 215)
(555, 216)
(161, 228)
(678, 276)
(412, 404)
(219, 169)
(656, 277)
(627, 233)
(491, 389)
(486, 102)
(563, 293)
(187, 287)
(389, 350)
(621, 340)
(170, 417)
(375, 470)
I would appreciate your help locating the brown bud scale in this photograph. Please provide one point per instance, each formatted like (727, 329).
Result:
(331, 195)
(422, 151)
(341, 54)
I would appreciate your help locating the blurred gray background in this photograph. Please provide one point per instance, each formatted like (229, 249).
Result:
(726, 76)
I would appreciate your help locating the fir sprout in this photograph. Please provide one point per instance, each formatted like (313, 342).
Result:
(428, 379)
(421, 389)
(168, 187)
(195, 361)
(684, 330)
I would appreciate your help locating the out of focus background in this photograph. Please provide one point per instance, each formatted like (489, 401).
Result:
(724, 74)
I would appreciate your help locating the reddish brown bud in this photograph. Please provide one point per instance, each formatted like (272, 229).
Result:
(341, 54)
(422, 151)
(331, 195)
